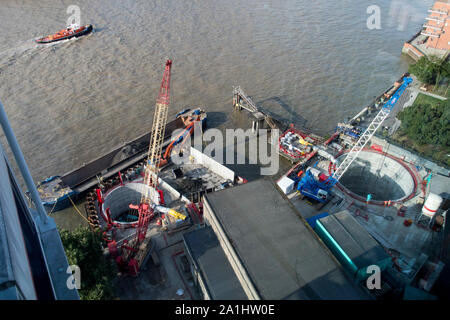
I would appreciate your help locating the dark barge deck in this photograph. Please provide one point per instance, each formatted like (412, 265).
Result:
(57, 191)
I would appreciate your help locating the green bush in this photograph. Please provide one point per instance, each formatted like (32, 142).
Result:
(84, 249)
(427, 123)
(430, 70)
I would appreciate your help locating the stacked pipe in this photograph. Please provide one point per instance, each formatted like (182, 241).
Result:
(92, 211)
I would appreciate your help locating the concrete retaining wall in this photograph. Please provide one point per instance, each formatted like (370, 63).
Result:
(212, 164)
(381, 176)
(409, 156)
(119, 199)
(412, 51)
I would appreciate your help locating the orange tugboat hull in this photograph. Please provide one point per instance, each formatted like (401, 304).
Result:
(66, 34)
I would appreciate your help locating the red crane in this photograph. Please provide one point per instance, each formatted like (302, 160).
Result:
(151, 195)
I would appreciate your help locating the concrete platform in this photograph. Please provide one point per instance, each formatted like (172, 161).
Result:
(162, 281)
(387, 228)
(195, 178)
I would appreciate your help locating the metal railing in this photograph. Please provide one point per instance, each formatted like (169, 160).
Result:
(251, 105)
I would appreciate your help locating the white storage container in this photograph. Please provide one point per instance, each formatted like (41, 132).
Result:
(286, 185)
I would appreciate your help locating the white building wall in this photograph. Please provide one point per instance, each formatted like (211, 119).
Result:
(212, 164)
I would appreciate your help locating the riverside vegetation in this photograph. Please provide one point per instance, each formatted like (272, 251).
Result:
(83, 248)
(425, 128)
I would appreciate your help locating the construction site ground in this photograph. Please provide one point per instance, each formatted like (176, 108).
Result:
(164, 279)
(383, 223)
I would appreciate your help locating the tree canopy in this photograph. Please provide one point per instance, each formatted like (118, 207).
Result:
(427, 123)
(84, 249)
(430, 70)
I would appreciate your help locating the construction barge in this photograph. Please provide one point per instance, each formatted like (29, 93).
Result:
(58, 192)
(299, 145)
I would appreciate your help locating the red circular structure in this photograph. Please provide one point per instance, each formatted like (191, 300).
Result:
(388, 202)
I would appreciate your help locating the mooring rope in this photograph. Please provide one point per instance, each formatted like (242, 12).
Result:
(53, 207)
(78, 211)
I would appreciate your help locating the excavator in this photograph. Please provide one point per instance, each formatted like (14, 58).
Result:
(189, 122)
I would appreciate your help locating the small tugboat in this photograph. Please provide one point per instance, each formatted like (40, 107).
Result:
(70, 32)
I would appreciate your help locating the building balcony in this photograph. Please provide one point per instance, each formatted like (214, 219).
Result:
(426, 25)
(429, 34)
(438, 20)
(438, 11)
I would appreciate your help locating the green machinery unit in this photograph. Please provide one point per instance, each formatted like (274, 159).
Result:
(352, 245)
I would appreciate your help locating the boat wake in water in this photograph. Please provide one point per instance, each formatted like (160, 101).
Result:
(8, 57)
(28, 47)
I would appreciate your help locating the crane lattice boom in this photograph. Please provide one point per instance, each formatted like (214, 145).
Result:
(311, 186)
(145, 208)
(370, 131)
(157, 134)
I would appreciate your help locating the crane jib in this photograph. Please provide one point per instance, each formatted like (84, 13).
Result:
(393, 100)
(370, 131)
